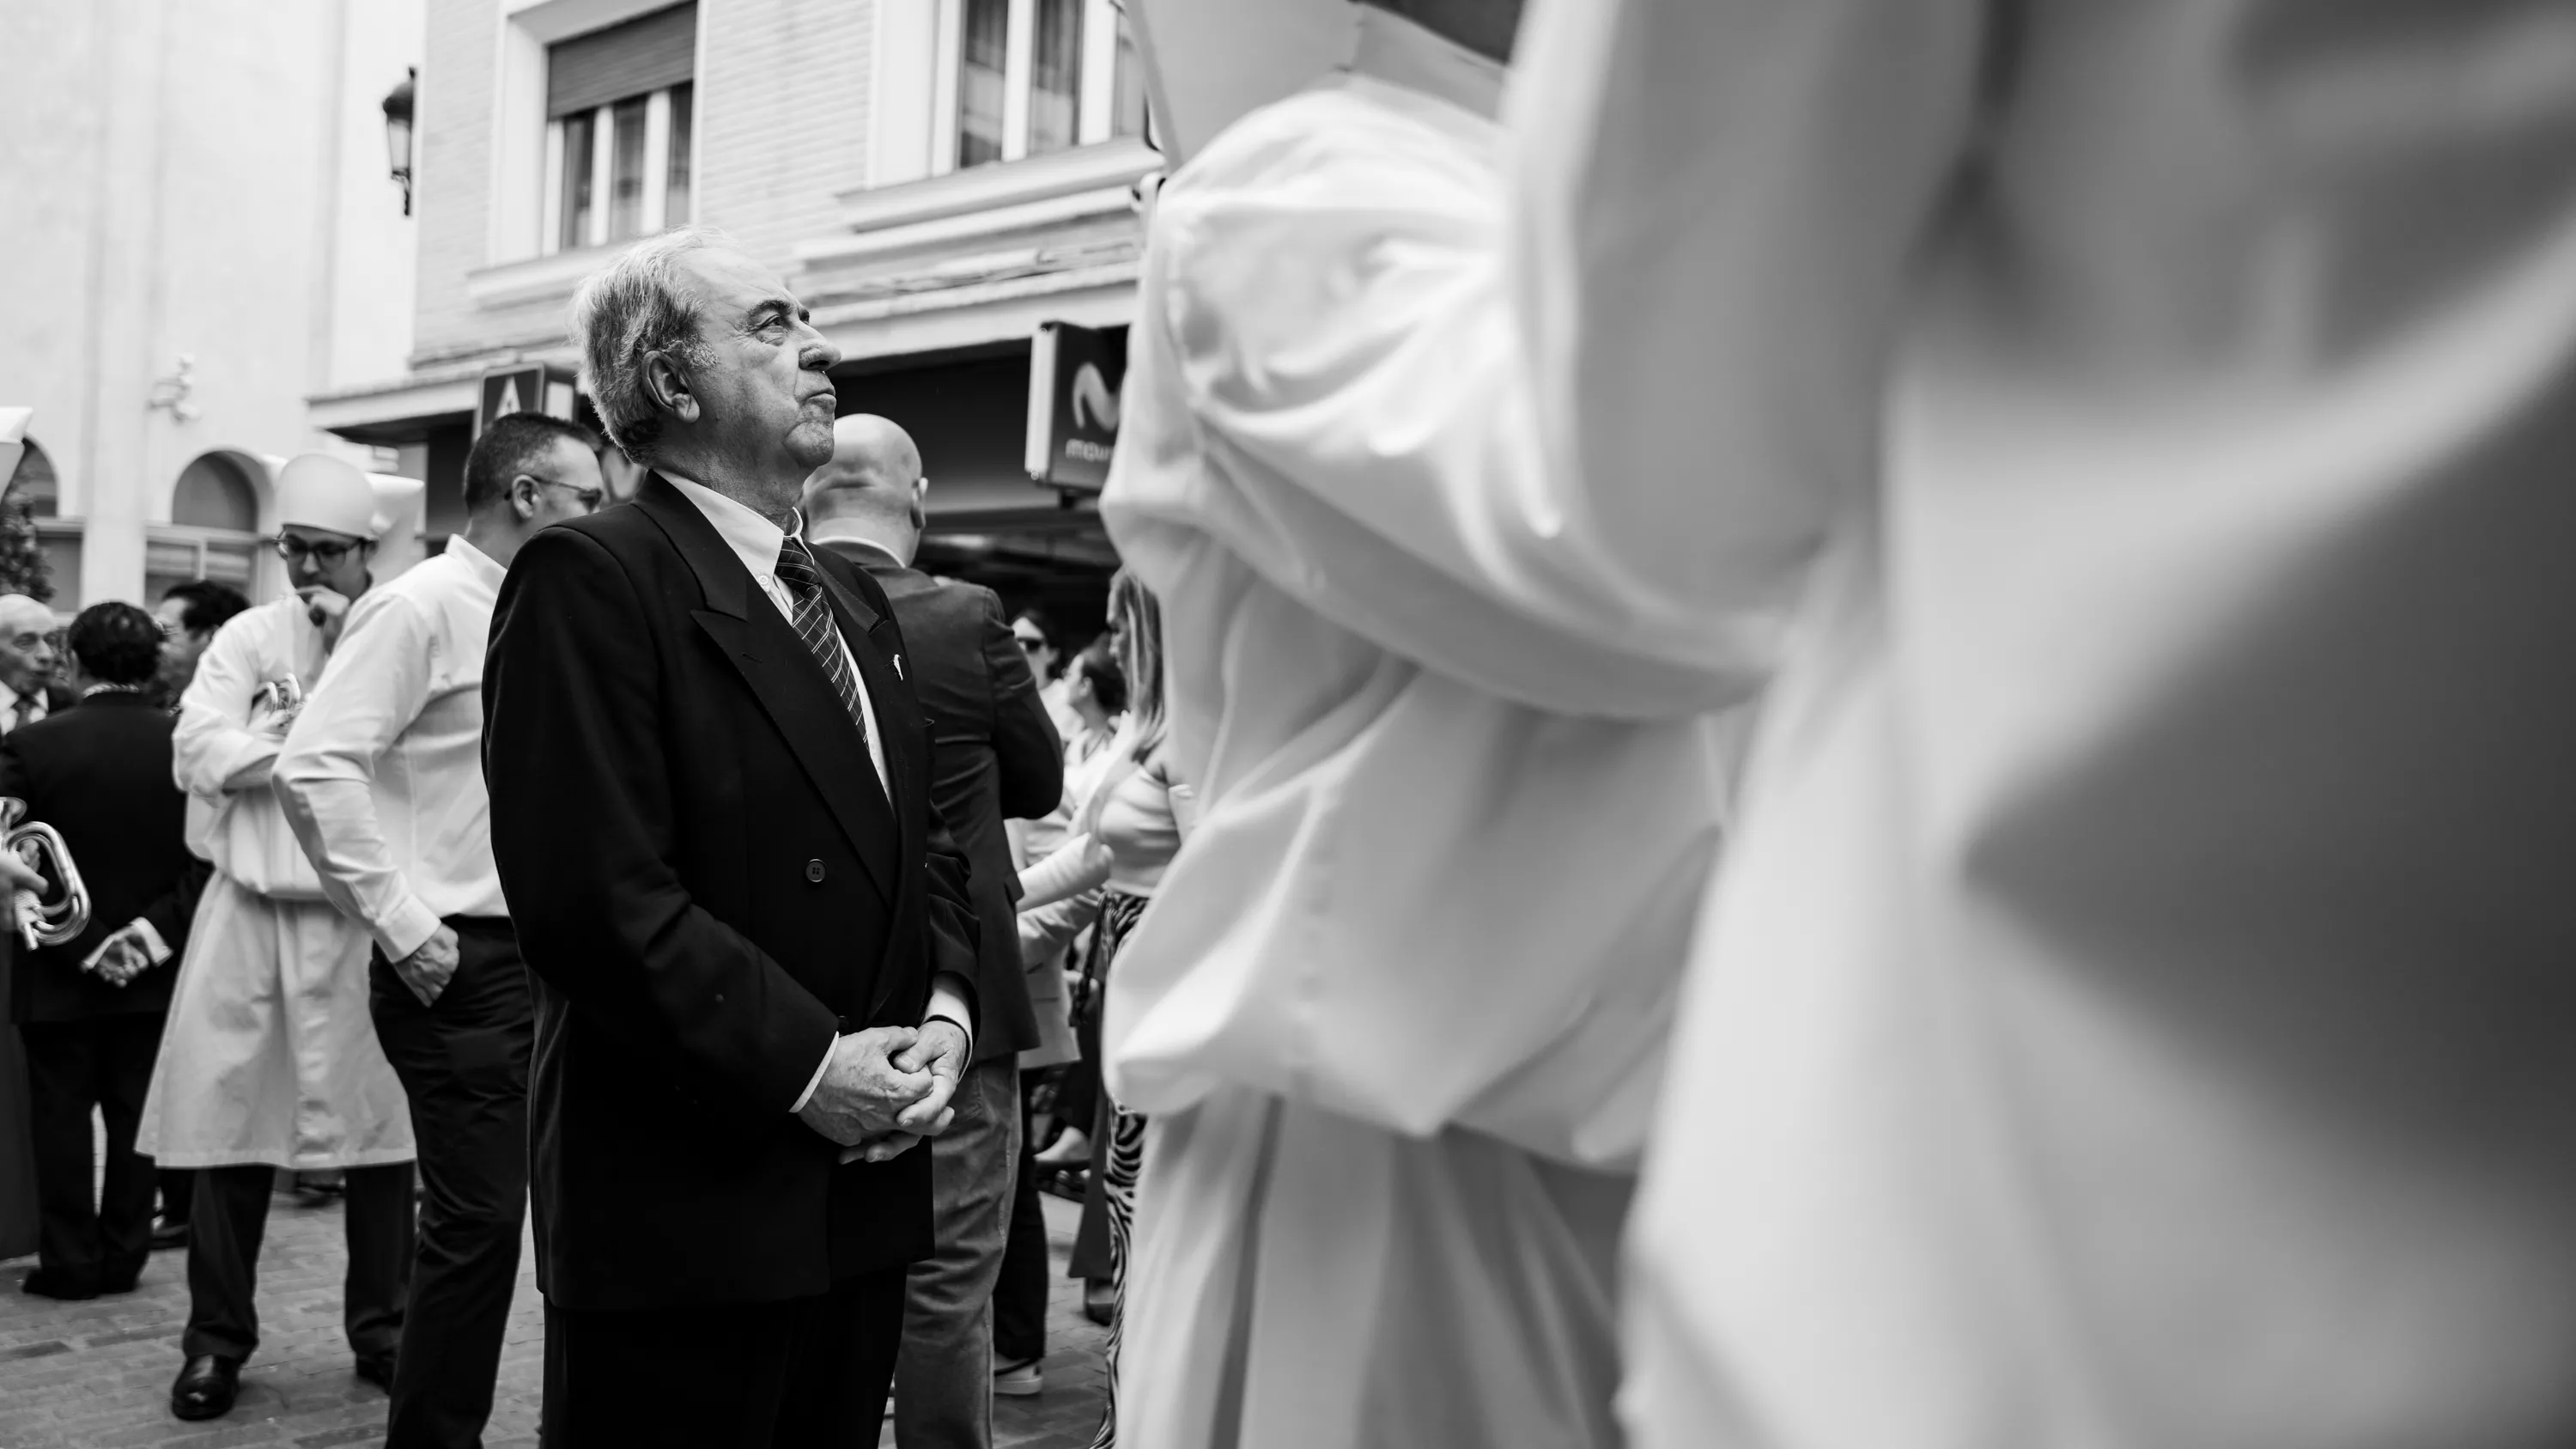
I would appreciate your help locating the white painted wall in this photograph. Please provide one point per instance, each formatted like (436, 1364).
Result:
(201, 177)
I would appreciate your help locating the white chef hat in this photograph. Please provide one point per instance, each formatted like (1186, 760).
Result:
(319, 490)
(1207, 62)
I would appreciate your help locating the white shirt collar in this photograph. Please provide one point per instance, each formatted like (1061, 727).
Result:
(1401, 52)
(754, 539)
(462, 550)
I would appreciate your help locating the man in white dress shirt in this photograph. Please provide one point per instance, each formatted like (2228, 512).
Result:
(382, 778)
(1398, 1012)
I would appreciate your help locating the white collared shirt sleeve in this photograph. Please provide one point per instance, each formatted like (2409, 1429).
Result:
(212, 749)
(378, 682)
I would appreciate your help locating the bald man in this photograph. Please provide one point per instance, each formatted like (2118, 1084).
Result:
(993, 753)
(28, 691)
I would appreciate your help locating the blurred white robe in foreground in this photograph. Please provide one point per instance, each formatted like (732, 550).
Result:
(2137, 1007)
(1397, 1012)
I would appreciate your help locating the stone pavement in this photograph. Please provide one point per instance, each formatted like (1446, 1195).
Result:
(96, 1375)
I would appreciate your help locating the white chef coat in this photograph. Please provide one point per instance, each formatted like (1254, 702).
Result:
(269, 1055)
(382, 776)
(2134, 1012)
(756, 541)
(1397, 1013)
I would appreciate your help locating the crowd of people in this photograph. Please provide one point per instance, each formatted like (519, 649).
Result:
(1741, 786)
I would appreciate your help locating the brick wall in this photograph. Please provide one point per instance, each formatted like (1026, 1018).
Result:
(782, 115)
(452, 166)
(785, 101)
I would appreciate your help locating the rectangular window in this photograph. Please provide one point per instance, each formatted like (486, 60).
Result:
(1127, 87)
(675, 189)
(1055, 77)
(573, 139)
(626, 184)
(1038, 76)
(982, 81)
(620, 120)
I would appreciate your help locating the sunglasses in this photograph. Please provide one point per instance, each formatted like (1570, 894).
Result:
(587, 497)
(1030, 641)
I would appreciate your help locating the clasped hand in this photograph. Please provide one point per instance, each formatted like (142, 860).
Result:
(887, 1088)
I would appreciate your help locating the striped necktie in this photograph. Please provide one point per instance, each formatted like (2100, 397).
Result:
(813, 619)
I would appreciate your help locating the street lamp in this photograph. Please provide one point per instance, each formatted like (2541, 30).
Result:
(398, 131)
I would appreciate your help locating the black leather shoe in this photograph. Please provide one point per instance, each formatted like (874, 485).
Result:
(167, 1234)
(46, 1283)
(206, 1387)
(377, 1369)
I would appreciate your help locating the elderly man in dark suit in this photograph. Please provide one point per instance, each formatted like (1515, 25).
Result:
(750, 937)
(994, 754)
(90, 1010)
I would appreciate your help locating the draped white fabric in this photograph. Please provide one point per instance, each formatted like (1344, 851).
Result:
(1408, 984)
(2135, 1009)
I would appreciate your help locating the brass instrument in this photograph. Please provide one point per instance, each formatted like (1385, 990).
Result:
(61, 915)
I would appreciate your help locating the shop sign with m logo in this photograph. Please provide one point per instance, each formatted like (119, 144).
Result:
(1074, 376)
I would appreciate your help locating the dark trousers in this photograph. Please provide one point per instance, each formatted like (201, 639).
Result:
(463, 1061)
(1020, 1295)
(225, 1227)
(178, 1193)
(104, 1062)
(806, 1371)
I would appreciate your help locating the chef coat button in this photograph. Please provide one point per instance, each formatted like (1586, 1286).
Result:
(814, 871)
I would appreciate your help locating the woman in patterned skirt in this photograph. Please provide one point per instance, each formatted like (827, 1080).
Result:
(1127, 830)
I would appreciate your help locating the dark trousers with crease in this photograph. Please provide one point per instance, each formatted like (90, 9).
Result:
(786, 1375)
(463, 1061)
(1020, 1296)
(105, 1062)
(230, 1218)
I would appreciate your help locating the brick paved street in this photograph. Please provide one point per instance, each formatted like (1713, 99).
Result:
(96, 1375)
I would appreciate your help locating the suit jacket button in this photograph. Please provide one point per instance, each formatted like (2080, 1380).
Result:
(814, 871)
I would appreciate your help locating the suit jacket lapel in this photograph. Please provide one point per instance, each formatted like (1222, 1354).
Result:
(790, 686)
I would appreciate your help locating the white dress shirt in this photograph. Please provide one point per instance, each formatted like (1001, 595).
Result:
(382, 775)
(756, 541)
(10, 699)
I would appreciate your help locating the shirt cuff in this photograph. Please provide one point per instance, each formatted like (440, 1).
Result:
(816, 1080)
(154, 948)
(405, 928)
(948, 1001)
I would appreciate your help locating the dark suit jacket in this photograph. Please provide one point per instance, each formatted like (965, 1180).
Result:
(708, 883)
(99, 773)
(994, 753)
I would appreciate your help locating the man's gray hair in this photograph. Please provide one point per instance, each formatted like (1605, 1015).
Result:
(634, 306)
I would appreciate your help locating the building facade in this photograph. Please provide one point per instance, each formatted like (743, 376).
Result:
(201, 233)
(935, 178)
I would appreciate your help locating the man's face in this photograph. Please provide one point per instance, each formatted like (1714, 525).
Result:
(1033, 644)
(563, 483)
(317, 558)
(765, 397)
(179, 647)
(26, 655)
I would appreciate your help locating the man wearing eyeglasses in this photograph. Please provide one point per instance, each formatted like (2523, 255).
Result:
(382, 778)
(269, 1060)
